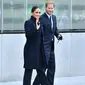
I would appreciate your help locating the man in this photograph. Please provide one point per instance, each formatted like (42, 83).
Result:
(48, 21)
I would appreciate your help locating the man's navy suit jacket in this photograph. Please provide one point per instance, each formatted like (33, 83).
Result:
(48, 33)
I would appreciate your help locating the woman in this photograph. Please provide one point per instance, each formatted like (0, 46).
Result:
(33, 52)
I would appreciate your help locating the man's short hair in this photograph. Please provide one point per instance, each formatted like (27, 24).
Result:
(49, 2)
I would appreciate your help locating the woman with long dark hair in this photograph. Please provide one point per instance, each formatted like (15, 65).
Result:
(33, 49)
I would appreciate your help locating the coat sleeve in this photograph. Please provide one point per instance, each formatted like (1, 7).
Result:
(29, 28)
(56, 32)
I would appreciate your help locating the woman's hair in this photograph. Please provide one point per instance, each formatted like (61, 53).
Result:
(34, 8)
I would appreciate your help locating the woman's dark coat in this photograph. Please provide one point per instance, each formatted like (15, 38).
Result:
(33, 49)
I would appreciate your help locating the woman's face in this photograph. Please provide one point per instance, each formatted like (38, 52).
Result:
(36, 13)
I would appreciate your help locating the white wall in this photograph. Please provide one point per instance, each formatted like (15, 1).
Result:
(62, 55)
(0, 57)
(12, 57)
(70, 56)
(77, 54)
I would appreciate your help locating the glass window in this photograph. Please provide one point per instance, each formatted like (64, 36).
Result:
(32, 3)
(14, 14)
(70, 13)
(78, 14)
(62, 8)
(0, 15)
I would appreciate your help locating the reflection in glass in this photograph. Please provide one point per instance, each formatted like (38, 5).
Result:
(13, 15)
(64, 20)
(15, 12)
(0, 15)
(78, 15)
(62, 12)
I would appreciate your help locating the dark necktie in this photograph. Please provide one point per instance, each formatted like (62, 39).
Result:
(52, 43)
(51, 23)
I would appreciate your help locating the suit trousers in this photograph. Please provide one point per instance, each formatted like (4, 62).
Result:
(51, 66)
(51, 69)
(28, 74)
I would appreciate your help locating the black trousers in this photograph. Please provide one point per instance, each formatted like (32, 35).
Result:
(28, 74)
(50, 71)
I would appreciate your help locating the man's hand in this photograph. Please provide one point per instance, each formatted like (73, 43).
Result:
(60, 37)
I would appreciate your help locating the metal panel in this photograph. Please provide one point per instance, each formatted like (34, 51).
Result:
(70, 55)
(77, 54)
(0, 59)
(62, 56)
(12, 57)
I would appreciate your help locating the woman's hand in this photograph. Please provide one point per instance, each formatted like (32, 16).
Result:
(37, 24)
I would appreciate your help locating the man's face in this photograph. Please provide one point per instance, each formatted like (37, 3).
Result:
(50, 8)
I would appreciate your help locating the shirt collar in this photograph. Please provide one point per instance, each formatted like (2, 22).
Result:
(48, 15)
